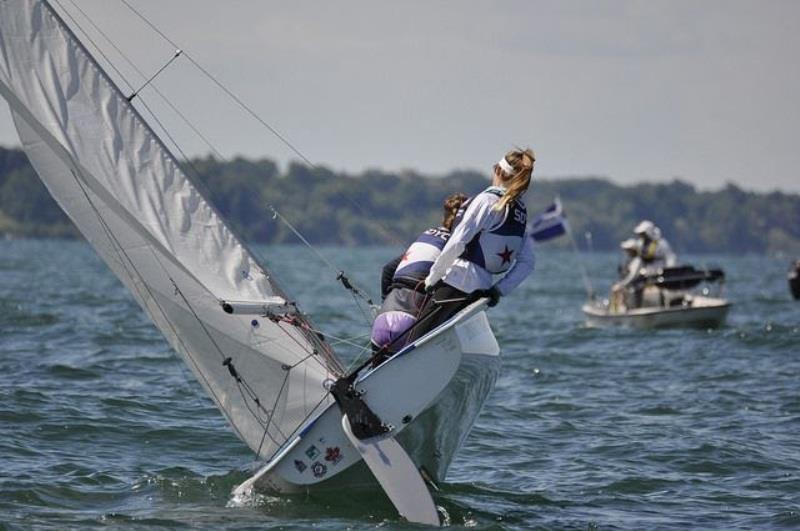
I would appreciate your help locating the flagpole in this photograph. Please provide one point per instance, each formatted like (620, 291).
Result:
(587, 284)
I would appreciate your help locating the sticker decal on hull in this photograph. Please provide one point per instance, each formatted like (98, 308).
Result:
(333, 455)
(312, 452)
(318, 469)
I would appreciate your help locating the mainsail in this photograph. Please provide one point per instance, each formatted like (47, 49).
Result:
(260, 361)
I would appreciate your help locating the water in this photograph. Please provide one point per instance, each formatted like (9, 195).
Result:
(102, 426)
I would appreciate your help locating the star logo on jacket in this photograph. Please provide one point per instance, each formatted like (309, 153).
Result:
(506, 254)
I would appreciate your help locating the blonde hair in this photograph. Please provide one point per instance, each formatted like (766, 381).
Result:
(450, 207)
(517, 183)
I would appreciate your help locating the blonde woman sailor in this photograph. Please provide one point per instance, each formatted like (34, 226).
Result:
(490, 238)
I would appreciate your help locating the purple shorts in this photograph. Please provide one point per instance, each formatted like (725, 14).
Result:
(391, 328)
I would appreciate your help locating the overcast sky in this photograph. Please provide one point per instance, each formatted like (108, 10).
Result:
(636, 91)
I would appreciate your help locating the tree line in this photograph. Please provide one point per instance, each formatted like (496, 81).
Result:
(378, 207)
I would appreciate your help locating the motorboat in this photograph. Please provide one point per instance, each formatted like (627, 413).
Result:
(668, 297)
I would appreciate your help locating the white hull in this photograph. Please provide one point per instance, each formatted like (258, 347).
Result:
(437, 435)
(431, 393)
(701, 311)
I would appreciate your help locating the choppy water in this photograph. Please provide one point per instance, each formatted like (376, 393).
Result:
(102, 426)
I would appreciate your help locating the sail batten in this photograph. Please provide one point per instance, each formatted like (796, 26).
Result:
(129, 197)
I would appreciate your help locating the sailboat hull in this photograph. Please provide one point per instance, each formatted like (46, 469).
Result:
(430, 393)
(437, 435)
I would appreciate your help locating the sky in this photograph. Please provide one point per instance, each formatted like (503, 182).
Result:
(646, 91)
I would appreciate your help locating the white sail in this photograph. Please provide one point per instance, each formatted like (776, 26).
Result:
(128, 196)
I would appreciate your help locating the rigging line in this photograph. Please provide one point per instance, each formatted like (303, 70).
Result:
(194, 169)
(269, 420)
(291, 336)
(330, 360)
(346, 340)
(359, 356)
(341, 276)
(299, 426)
(226, 361)
(198, 182)
(363, 349)
(136, 92)
(114, 240)
(254, 115)
(96, 46)
(222, 87)
(255, 414)
(130, 63)
(110, 234)
(330, 364)
(367, 320)
(119, 249)
(337, 341)
(301, 361)
(348, 284)
(126, 81)
(349, 340)
(334, 340)
(155, 118)
(272, 282)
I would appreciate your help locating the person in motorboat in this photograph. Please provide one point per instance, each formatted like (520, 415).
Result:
(628, 271)
(649, 253)
(630, 248)
(794, 279)
(490, 238)
(402, 287)
(654, 249)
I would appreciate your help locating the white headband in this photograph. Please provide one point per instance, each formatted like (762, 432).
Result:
(507, 168)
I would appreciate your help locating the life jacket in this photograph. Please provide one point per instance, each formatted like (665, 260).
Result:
(420, 256)
(649, 251)
(497, 248)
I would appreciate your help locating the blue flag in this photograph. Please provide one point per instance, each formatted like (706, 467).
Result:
(550, 223)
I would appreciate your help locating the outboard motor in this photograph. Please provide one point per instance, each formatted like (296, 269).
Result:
(794, 279)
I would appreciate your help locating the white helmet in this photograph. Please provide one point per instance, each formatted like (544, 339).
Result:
(647, 228)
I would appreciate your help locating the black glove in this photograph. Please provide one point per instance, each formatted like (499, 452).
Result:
(493, 294)
(430, 289)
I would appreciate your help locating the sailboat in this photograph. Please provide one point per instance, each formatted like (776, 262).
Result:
(267, 367)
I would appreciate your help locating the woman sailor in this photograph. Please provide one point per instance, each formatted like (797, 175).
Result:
(402, 282)
(490, 238)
